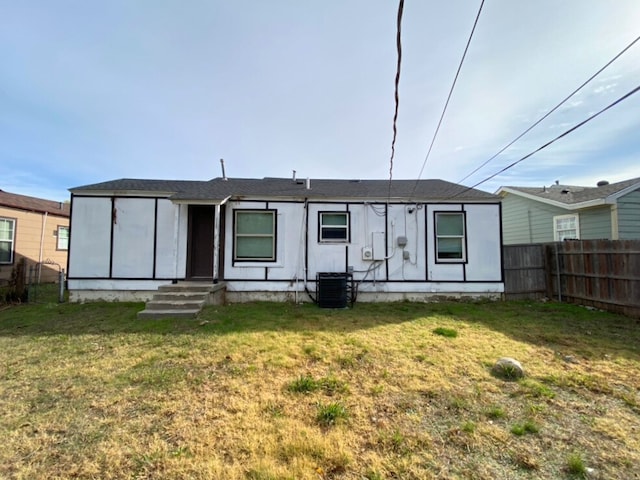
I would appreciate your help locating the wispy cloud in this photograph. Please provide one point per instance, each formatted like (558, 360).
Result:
(140, 89)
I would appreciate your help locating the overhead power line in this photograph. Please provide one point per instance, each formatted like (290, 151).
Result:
(396, 94)
(567, 132)
(552, 110)
(444, 110)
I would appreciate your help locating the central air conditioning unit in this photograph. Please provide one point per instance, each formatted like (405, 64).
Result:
(367, 253)
(332, 290)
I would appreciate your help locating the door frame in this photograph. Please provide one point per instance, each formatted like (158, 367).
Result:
(198, 211)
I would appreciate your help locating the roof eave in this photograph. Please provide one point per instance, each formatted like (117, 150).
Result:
(613, 198)
(121, 193)
(199, 201)
(54, 212)
(567, 206)
(363, 198)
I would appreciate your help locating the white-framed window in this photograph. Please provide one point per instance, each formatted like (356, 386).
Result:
(254, 238)
(566, 227)
(7, 239)
(450, 237)
(62, 242)
(333, 227)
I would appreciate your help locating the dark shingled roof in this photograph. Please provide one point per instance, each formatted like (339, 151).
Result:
(219, 189)
(33, 204)
(140, 185)
(571, 194)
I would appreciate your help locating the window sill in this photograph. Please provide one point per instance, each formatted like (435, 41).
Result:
(451, 262)
(254, 264)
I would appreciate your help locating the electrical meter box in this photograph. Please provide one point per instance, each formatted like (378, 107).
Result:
(379, 247)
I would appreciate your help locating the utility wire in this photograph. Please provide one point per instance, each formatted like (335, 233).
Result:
(572, 129)
(553, 109)
(435, 134)
(396, 96)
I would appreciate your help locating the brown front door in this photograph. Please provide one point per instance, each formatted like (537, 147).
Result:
(200, 245)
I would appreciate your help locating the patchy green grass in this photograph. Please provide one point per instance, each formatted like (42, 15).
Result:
(527, 427)
(331, 413)
(495, 412)
(446, 332)
(279, 391)
(576, 466)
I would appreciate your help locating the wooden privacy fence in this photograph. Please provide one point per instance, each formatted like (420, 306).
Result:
(599, 273)
(525, 273)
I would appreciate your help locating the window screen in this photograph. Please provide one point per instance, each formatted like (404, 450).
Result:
(254, 235)
(334, 226)
(450, 245)
(63, 238)
(566, 227)
(7, 231)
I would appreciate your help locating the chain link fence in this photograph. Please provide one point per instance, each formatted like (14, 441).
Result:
(42, 282)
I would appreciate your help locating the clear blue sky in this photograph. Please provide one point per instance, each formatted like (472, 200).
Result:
(96, 90)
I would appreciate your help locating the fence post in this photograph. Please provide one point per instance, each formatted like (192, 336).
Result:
(30, 285)
(558, 274)
(61, 286)
(548, 269)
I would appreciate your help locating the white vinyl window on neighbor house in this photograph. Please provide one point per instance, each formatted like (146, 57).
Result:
(450, 237)
(334, 227)
(7, 238)
(566, 227)
(254, 238)
(62, 242)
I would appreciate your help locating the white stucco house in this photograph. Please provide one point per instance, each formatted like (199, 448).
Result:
(274, 238)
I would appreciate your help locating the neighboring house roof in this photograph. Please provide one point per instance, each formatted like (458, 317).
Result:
(33, 204)
(220, 189)
(573, 197)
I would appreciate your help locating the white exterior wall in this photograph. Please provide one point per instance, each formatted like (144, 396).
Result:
(171, 239)
(103, 262)
(133, 233)
(368, 221)
(289, 244)
(407, 221)
(484, 250)
(441, 272)
(90, 242)
(331, 257)
(411, 275)
(410, 272)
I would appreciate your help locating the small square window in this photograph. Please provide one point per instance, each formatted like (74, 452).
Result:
(450, 237)
(566, 227)
(334, 227)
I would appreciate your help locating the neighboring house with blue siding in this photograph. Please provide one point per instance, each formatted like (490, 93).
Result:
(561, 212)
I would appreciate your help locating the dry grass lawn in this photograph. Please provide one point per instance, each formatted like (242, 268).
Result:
(278, 391)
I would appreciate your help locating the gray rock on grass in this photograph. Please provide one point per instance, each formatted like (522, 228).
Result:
(508, 369)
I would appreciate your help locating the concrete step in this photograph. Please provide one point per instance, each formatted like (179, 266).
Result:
(156, 304)
(180, 300)
(180, 296)
(168, 313)
(187, 287)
